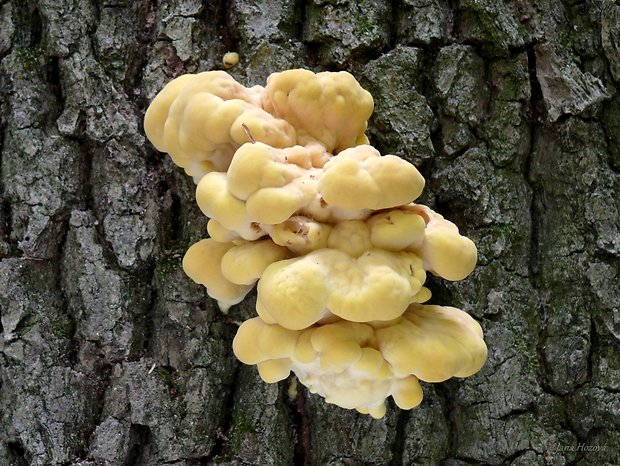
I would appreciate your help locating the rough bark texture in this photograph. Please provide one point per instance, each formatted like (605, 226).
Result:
(110, 355)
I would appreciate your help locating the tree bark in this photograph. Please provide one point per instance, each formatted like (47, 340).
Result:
(110, 355)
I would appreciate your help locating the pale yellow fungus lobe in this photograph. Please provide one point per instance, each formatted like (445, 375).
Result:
(198, 119)
(444, 250)
(267, 186)
(327, 226)
(331, 108)
(396, 230)
(202, 263)
(230, 59)
(361, 178)
(219, 233)
(230, 214)
(358, 365)
(228, 270)
(245, 263)
(378, 285)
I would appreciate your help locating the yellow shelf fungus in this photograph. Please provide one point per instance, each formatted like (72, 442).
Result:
(329, 108)
(358, 365)
(378, 285)
(301, 205)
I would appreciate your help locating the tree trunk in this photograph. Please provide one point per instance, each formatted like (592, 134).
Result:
(110, 355)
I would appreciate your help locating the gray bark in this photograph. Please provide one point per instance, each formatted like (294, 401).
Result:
(109, 354)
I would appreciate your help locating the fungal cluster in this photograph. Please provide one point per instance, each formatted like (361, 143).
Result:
(300, 204)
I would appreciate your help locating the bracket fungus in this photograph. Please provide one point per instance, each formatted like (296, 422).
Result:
(300, 204)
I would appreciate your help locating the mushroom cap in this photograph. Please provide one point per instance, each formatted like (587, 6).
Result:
(444, 250)
(358, 365)
(434, 343)
(245, 263)
(201, 119)
(219, 233)
(267, 186)
(331, 108)
(396, 230)
(334, 361)
(202, 263)
(378, 285)
(157, 113)
(449, 254)
(273, 189)
(216, 202)
(360, 178)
